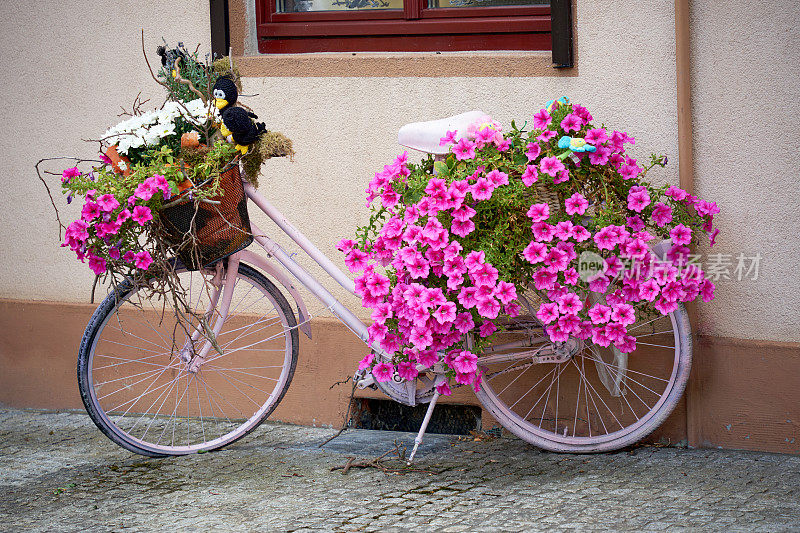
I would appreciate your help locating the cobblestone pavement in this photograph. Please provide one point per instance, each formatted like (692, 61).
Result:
(59, 473)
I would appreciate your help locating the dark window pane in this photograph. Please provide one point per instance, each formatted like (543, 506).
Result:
(300, 6)
(485, 3)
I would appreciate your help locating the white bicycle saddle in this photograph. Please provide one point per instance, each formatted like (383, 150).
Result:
(425, 136)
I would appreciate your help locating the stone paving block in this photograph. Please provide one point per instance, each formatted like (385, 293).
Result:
(57, 470)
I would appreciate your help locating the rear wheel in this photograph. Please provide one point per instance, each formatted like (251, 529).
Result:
(587, 398)
(145, 398)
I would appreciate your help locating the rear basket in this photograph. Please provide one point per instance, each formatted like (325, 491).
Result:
(219, 230)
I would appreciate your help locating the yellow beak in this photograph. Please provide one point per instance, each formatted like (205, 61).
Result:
(220, 103)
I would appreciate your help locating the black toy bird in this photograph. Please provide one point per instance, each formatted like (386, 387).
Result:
(236, 121)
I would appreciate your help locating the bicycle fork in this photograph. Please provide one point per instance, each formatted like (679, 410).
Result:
(224, 282)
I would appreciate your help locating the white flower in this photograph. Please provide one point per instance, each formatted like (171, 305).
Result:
(164, 130)
(152, 137)
(122, 165)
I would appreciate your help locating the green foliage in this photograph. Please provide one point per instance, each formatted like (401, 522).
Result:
(190, 67)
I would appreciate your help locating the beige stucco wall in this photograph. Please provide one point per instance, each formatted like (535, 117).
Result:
(68, 84)
(746, 87)
(69, 66)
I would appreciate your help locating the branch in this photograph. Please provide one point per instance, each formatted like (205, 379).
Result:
(144, 53)
(186, 82)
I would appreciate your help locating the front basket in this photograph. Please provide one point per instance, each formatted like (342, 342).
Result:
(203, 233)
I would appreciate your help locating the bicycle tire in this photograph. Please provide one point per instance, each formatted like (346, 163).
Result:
(118, 304)
(550, 432)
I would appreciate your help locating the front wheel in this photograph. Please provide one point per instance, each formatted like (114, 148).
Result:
(586, 398)
(145, 397)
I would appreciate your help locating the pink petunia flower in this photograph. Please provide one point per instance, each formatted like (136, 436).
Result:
(356, 260)
(539, 212)
(606, 238)
(383, 371)
(532, 151)
(463, 322)
(676, 193)
(482, 190)
(681, 234)
(69, 173)
(531, 175)
(580, 234)
(599, 284)
(707, 290)
(444, 389)
(97, 264)
(145, 190)
(535, 252)
(497, 178)
(406, 370)
(487, 328)
(544, 279)
(462, 229)
(345, 245)
(564, 230)
(107, 202)
(570, 304)
(665, 306)
(542, 231)
(576, 204)
(629, 171)
(571, 276)
(563, 176)
(600, 314)
(547, 135)
(445, 313)
(449, 138)
(541, 119)
(569, 323)
(551, 166)
(503, 145)
(366, 362)
(143, 260)
(505, 292)
(465, 362)
(596, 136)
(635, 222)
(624, 314)
(707, 208)
(90, 211)
(649, 290)
(485, 275)
(488, 308)
(547, 312)
(571, 122)
(600, 156)
(464, 149)
(142, 215)
(557, 334)
(638, 200)
(556, 259)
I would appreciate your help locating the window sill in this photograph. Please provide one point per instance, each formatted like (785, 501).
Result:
(406, 64)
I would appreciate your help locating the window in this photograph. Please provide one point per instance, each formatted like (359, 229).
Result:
(292, 26)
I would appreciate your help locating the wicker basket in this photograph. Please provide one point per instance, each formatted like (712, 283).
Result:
(219, 230)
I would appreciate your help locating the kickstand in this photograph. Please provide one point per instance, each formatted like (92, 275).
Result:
(426, 420)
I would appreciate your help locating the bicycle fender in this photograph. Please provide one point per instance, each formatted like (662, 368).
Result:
(267, 266)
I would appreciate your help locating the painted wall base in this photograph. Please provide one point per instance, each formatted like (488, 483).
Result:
(743, 394)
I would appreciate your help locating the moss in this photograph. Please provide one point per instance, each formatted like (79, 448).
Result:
(222, 67)
(270, 144)
(193, 155)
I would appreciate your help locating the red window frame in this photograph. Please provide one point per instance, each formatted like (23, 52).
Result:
(415, 28)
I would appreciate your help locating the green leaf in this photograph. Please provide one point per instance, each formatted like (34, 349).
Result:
(441, 168)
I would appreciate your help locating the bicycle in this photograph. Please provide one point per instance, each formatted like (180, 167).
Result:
(150, 389)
